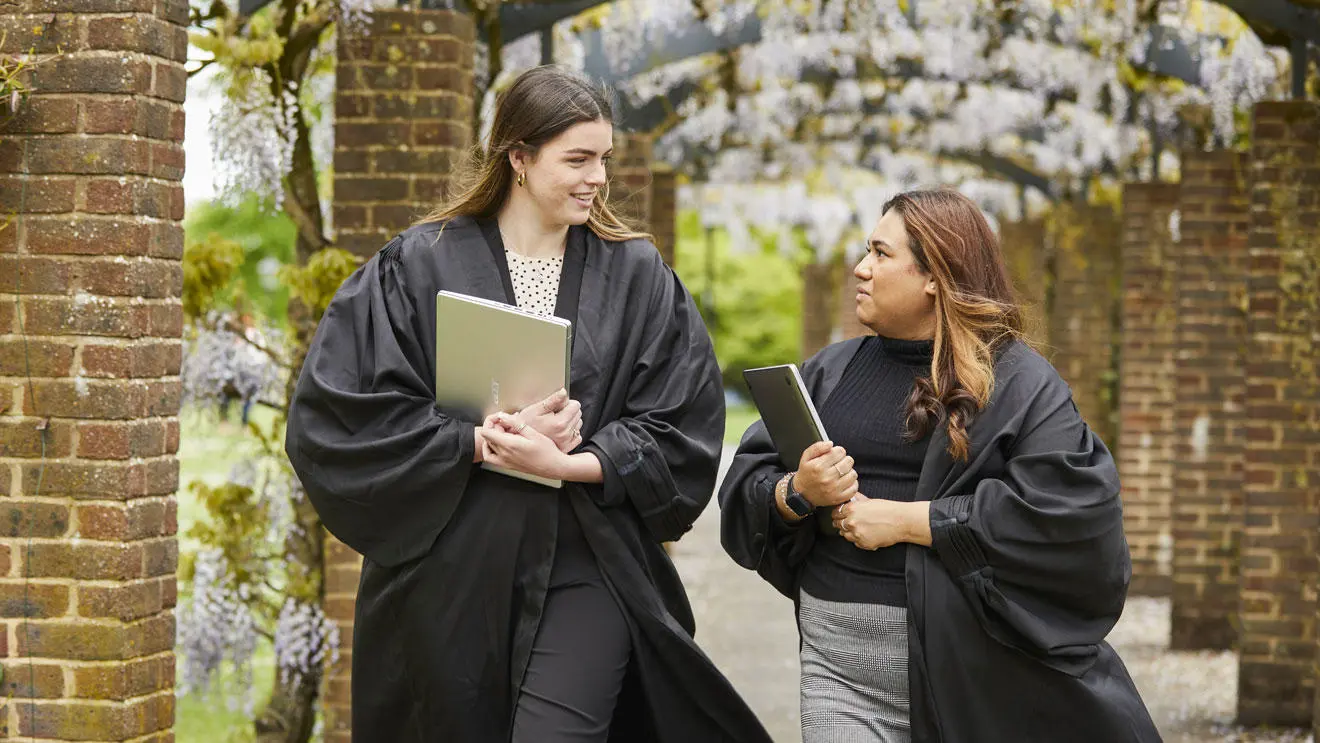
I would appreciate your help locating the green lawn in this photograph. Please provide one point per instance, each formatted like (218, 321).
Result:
(739, 418)
(208, 451)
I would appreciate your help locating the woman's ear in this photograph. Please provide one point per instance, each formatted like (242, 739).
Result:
(519, 159)
(930, 286)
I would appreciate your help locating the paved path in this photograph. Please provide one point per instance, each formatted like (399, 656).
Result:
(748, 629)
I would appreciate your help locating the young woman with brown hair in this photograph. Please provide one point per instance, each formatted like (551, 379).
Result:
(956, 553)
(492, 608)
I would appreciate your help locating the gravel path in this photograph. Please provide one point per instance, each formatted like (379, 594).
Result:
(748, 629)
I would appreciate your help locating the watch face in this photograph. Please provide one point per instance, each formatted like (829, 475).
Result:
(797, 504)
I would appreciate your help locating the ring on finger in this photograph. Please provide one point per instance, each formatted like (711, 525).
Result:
(836, 469)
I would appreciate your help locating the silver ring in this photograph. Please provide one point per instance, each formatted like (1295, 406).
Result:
(522, 427)
(836, 470)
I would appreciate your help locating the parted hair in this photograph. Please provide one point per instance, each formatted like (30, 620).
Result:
(541, 104)
(976, 310)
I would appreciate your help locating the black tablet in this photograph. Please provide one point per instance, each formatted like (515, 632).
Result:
(786, 409)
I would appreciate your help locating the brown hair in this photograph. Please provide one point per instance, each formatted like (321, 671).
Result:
(542, 103)
(976, 311)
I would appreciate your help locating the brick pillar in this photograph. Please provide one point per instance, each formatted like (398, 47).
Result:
(664, 210)
(403, 120)
(1083, 317)
(1145, 460)
(1023, 244)
(90, 328)
(1276, 678)
(1208, 407)
(630, 178)
(817, 306)
(847, 325)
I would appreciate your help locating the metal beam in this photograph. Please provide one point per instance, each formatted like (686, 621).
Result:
(1166, 54)
(1286, 19)
(517, 19)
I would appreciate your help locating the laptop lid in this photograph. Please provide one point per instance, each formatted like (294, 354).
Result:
(496, 357)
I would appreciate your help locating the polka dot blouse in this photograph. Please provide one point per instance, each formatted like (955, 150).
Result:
(535, 281)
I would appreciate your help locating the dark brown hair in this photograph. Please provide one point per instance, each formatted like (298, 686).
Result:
(542, 103)
(976, 310)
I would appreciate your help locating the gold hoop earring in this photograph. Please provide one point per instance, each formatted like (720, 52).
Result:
(522, 178)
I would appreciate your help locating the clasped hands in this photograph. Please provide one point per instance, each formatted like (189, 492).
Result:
(536, 439)
(826, 478)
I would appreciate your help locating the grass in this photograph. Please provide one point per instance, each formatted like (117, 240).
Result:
(738, 419)
(208, 451)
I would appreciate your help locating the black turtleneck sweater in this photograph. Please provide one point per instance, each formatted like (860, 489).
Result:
(865, 414)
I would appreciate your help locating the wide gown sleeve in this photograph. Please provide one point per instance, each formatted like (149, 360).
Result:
(383, 465)
(661, 455)
(751, 529)
(1040, 552)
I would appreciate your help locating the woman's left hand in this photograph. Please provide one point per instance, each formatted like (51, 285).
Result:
(873, 523)
(511, 444)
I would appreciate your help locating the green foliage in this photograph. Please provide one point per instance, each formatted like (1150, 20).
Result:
(266, 243)
(315, 284)
(238, 519)
(209, 266)
(756, 319)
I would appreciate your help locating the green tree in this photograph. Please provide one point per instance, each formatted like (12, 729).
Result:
(756, 315)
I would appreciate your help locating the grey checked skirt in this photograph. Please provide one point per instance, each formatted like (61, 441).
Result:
(854, 672)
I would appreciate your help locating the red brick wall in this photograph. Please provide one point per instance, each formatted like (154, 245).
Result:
(1083, 321)
(90, 327)
(664, 210)
(818, 306)
(1145, 458)
(403, 120)
(630, 178)
(846, 323)
(1276, 677)
(1210, 282)
(1023, 245)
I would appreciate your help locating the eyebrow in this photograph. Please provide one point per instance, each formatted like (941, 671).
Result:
(585, 151)
(875, 241)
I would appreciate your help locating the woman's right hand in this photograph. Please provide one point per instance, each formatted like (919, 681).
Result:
(558, 418)
(825, 475)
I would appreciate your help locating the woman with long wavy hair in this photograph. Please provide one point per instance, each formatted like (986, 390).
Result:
(493, 608)
(956, 552)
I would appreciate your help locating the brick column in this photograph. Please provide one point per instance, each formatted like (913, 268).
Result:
(1083, 320)
(1145, 460)
(403, 120)
(1023, 244)
(1208, 406)
(90, 328)
(847, 325)
(1276, 679)
(630, 177)
(817, 307)
(664, 210)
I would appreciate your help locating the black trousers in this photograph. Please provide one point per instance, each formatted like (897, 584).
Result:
(581, 652)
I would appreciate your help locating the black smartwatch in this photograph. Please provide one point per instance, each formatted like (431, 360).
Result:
(795, 502)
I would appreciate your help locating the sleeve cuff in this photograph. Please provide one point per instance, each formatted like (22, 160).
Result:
(467, 441)
(952, 536)
(611, 492)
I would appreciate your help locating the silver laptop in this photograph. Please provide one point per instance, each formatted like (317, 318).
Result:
(496, 357)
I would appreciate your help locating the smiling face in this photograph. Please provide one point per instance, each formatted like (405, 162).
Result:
(895, 296)
(565, 177)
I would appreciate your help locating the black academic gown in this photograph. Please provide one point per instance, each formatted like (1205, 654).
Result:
(458, 558)
(1008, 610)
